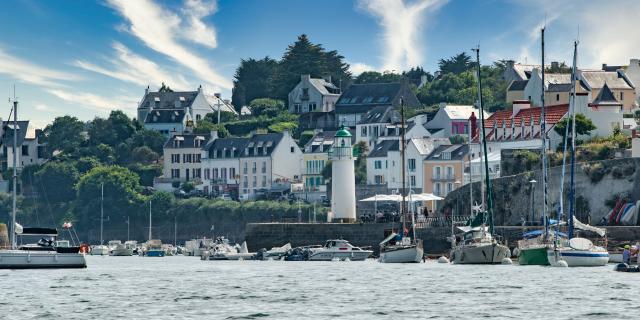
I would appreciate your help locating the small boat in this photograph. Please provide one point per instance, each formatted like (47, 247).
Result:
(276, 253)
(153, 248)
(339, 250)
(169, 250)
(46, 253)
(99, 250)
(400, 250)
(578, 252)
(478, 247)
(117, 248)
(532, 249)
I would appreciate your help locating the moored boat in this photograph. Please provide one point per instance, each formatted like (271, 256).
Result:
(403, 250)
(478, 247)
(339, 250)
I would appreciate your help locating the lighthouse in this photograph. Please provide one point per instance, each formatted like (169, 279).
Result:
(343, 180)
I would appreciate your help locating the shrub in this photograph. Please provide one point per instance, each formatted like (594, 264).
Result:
(595, 171)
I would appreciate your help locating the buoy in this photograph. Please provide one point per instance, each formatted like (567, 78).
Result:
(506, 261)
(443, 259)
(335, 259)
(347, 259)
(561, 264)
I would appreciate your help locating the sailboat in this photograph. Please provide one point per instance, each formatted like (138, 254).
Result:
(101, 249)
(47, 253)
(402, 248)
(153, 247)
(532, 249)
(478, 244)
(575, 251)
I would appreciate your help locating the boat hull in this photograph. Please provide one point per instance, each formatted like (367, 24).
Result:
(405, 254)
(351, 255)
(578, 258)
(122, 252)
(154, 253)
(533, 257)
(17, 259)
(100, 251)
(481, 254)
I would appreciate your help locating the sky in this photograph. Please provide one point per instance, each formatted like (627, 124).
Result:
(86, 58)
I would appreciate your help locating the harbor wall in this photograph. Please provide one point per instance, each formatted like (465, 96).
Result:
(268, 235)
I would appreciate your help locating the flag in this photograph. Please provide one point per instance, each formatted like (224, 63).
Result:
(18, 228)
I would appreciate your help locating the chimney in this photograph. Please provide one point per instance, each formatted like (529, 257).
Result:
(146, 91)
(214, 135)
(510, 63)
(200, 88)
(474, 125)
(327, 79)
(305, 78)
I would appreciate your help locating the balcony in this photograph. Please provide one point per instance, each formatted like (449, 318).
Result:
(443, 177)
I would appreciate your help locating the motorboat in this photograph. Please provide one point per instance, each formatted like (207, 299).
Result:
(221, 250)
(339, 250)
(275, 253)
(578, 252)
(46, 253)
(117, 248)
(169, 250)
(478, 247)
(239, 252)
(396, 249)
(132, 245)
(196, 247)
(153, 248)
(99, 250)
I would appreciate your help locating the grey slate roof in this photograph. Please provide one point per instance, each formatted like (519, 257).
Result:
(379, 114)
(167, 100)
(563, 87)
(268, 141)
(165, 116)
(225, 146)
(7, 133)
(606, 97)
(597, 79)
(457, 151)
(360, 98)
(188, 140)
(383, 147)
(518, 85)
(320, 142)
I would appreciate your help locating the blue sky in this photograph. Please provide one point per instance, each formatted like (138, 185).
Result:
(86, 58)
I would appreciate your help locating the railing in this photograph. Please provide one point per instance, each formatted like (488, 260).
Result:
(443, 177)
(340, 152)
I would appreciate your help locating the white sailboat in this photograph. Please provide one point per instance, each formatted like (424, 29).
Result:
(402, 248)
(153, 247)
(575, 251)
(101, 249)
(45, 254)
(478, 244)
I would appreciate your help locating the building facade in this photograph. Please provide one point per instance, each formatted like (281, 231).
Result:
(444, 169)
(313, 95)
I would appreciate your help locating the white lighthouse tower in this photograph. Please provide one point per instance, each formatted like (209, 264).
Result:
(343, 180)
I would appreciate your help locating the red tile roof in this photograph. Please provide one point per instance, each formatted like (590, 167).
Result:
(553, 114)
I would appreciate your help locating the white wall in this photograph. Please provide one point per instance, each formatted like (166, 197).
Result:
(286, 163)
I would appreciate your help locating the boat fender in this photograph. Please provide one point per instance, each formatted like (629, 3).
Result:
(506, 261)
(443, 259)
(561, 264)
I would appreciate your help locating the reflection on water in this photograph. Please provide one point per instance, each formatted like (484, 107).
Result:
(187, 288)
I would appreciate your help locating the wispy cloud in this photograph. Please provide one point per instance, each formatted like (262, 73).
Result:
(95, 102)
(196, 30)
(358, 68)
(130, 67)
(29, 72)
(607, 33)
(162, 30)
(43, 107)
(402, 22)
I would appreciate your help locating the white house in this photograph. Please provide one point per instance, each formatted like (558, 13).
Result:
(30, 150)
(182, 158)
(221, 165)
(453, 119)
(378, 161)
(313, 95)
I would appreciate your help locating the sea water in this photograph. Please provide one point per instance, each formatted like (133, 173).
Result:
(188, 288)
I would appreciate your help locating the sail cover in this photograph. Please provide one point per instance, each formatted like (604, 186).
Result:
(579, 225)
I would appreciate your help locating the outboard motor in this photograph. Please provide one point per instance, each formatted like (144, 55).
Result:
(622, 267)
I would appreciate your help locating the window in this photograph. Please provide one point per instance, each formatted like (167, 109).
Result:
(232, 173)
(293, 149)
(198, 157)
(175, 173)
(264, 167)
(223, 173)
(254, 182)
(412, 164)
(254, 168)
(244, 168)
(449, 172)
(436, 172)
(264, 181)
(197, 173)
(175, 158)
(296, 108)
(215, 173)
(207, 173)
(312, 106)
(245, 183)
(378, 179)
(437, 189)
(25, 150)
(449, 187)
(375, 131)
(377, 164)
(557, 97)
(198, 117)
(363, 131)
(621, 98)
(412, 180)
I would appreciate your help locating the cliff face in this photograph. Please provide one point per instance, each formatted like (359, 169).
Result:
(597, 185)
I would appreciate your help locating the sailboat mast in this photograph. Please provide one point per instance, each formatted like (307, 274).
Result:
(543, 137)
(101, 210)
(489, 195)
(402, 154)
(14, 243)
(149, 219)
(470, 176)
(572, 191)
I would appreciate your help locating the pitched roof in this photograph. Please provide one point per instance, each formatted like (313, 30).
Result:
(459, 112)
(597, 79)
(524, 70)
(456, 151)
(517, 85)
(360, 98)
(225, 105)
(557, 78)
(379, 114)
(424, 145)
(266, 140)
(165, 116)
(320, 142)
(324, 86)
(187, 140)
(223, 144)
(553, 114)
(383, 147)
(606, 97)
(7, 133)
(167, 100)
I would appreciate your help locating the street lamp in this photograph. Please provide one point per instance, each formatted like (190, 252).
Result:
(533, 197)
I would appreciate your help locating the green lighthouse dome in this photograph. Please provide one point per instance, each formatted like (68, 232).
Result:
(343, 132)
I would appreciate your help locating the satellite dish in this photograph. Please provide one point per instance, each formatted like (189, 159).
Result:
(580, 244)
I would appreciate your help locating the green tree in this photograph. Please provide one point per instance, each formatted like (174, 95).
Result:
(253, 79)
(188, 186)
(121, 190)
(144, 155)
(162, 203)
(584, 125)
(457, 64)
(266, 106)
(117, 128)
(205, 126)
(85, 164)
(361, 149)
(64, 134)
(57, 180)
(377, 77)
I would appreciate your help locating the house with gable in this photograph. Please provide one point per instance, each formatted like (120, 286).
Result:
(313, 95)
(453, 119)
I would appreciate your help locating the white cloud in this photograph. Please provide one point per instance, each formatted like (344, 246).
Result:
(402, 23)
(43, 107)
(607, 33)
(130, 67)
(28, 72)
(161, 31)
(95, 102)
(196, 30)
(358, 68)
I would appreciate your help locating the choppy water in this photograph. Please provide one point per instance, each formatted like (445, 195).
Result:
(187, 288)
